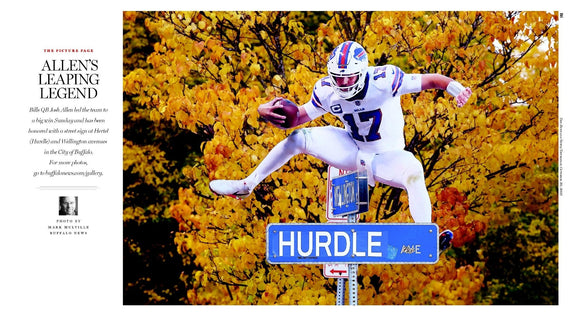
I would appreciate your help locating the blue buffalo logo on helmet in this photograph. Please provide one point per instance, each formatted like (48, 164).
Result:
(359, 53)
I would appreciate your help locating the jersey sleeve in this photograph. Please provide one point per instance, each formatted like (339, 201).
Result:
(315, 107)
(394, 81)
(411, 83)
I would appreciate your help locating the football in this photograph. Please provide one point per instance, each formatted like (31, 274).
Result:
(290, 110)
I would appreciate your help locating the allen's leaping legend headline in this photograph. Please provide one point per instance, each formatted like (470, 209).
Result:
(69, 79)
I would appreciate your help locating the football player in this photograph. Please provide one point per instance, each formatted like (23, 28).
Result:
(367, 101)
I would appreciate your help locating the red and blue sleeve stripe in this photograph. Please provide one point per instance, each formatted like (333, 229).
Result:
(316, 100)
(397, 80)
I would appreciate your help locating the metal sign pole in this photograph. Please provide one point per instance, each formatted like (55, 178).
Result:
(352, 274)
(340, 291)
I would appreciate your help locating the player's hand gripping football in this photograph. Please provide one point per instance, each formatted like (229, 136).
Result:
(267, 112)
(281, 112)
(463, 97)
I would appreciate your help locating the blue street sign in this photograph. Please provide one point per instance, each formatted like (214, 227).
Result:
(352, 243)
(350, 194)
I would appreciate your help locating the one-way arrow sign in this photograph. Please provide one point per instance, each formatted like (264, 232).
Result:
(335, 270)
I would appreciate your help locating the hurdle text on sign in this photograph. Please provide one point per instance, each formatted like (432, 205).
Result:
(352, 243)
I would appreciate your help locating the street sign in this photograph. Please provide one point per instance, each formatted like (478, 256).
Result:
(345, 195)
(352, 243)
(333, 173)
(350, 194)
(335, 270)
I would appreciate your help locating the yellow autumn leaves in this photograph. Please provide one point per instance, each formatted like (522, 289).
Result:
(207, 72)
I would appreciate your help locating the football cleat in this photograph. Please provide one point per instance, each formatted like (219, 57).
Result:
(233, 188)
(445, 238)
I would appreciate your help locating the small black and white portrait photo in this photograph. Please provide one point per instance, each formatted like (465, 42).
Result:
(68, 205)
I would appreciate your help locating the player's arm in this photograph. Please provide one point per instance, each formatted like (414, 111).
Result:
(441, 82)
(302, 116)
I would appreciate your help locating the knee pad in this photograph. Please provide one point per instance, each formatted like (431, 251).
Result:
(413, 173)
(299, 139)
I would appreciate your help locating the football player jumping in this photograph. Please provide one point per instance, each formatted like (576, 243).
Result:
(367, 101)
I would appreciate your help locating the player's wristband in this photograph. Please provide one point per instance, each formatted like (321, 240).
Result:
(454, 88)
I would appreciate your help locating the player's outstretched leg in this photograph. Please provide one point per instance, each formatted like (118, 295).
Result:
(331, 144)
(275, 159)
(401, 169)
(445, 238)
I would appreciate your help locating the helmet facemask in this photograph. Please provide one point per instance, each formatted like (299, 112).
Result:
(347, 86)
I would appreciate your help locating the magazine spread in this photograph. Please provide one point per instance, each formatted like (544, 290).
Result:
(81, 162)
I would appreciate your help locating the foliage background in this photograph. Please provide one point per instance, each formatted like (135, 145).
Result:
(193, 81)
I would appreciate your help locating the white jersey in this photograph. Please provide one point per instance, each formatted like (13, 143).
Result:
(376, 121)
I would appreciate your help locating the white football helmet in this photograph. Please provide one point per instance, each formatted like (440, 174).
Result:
(347, 68)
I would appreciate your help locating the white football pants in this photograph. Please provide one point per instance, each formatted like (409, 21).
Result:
(334, 146)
